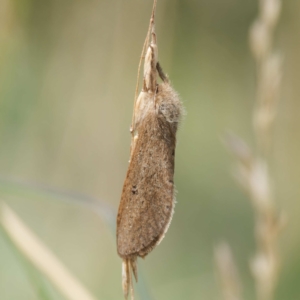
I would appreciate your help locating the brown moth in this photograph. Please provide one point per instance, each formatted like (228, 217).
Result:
(148, 199)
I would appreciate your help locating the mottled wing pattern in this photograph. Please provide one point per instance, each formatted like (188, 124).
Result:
(147, 198)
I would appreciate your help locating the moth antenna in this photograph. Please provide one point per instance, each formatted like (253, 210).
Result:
(153, 34)
(161, 73)
(145, 46)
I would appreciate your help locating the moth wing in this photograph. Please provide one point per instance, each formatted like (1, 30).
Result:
(147, 200)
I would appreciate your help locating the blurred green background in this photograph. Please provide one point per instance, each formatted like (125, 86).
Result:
(67, 79)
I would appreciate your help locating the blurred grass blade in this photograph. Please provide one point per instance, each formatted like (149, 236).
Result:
(107, 214)
(100, 207)
(36, 281)
(228, 273)
(41, 257)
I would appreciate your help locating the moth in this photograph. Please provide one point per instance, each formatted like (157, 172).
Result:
(147, 200)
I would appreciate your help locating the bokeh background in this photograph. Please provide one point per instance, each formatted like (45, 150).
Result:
(67, 79)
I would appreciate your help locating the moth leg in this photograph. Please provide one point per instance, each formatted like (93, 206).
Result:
(134, 268)
(125, 277)
(131, 289)
(161, 73)
(128, 266)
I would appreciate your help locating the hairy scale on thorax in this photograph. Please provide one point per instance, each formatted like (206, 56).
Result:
(147, 200)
